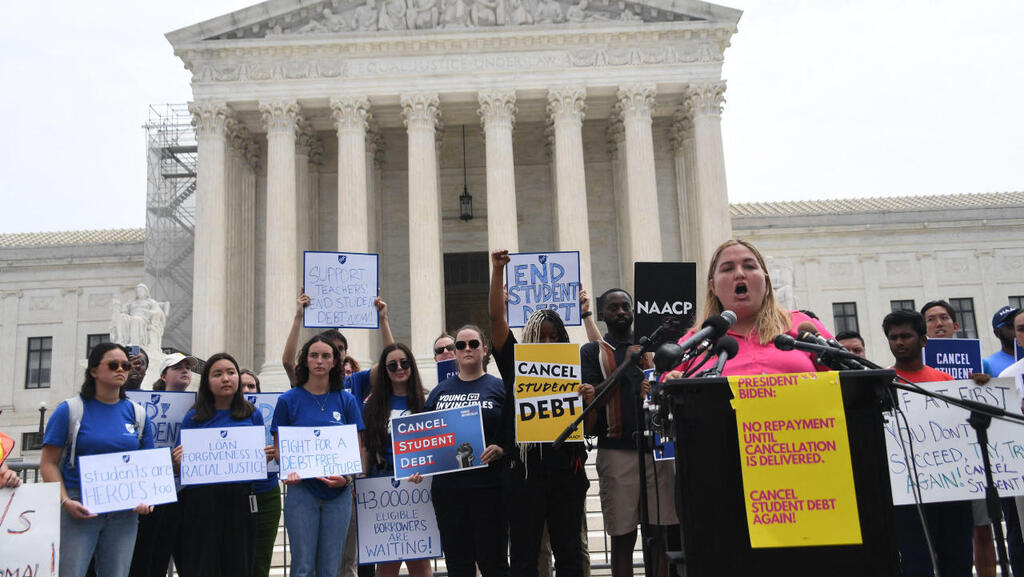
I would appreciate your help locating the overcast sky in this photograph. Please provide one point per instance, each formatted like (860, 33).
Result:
(826, 99)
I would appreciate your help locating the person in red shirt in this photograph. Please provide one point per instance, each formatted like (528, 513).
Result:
(950, 524)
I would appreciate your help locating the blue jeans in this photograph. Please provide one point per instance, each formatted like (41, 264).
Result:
(316, 531)
(110, 537)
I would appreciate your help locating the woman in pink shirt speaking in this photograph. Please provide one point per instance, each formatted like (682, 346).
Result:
(738, 281)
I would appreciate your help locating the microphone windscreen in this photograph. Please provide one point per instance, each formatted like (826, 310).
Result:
(666, 357)
(784, 342)
(719, 323)
(729, 316)
(728, 345)
(807, 327)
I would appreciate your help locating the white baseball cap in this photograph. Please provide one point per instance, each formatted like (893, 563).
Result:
(175, 358)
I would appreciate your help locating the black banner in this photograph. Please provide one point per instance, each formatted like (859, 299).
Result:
(663, 289)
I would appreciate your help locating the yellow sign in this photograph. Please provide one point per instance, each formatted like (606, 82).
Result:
(795, 457)
(547, 397)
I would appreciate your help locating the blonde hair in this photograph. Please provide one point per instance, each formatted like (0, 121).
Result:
(772, 320)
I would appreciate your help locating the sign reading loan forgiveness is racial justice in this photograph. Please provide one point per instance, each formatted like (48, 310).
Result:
(265, 403)
(547, 391)
(795, 458)
(120, 481)
(436, 442)
(957, 357)
(164, 412)
(549, 280)
(30, 529)
(223, 455)
(341, 288)
(946, 450)
(395, 520)
(663, 290)
(319, 451)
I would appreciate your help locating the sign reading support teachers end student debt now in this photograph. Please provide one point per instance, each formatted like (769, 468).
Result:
(319, 451)
(547, 391)
(795, 458)
(548, 280)
(341, 288)
(438, 442)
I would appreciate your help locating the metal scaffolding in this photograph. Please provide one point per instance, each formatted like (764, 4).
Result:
(170, 216)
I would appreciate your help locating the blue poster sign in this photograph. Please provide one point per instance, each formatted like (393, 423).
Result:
(958, 357)
(341, 288)
(446, 369)
(164, 413)
(265, 403)
(438, 442)
(543, 280)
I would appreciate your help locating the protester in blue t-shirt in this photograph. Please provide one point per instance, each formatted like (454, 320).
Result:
(268, 497)
(397, 391)
(218, 523)
(317, 511)
(468, 505)
(108, 425)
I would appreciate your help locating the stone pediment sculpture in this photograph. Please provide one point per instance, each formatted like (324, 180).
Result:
(328, 18)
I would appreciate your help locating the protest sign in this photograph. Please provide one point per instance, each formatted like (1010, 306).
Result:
(547, 391)
(795, 457)
(120, 481)
(164, 412)
(395, 520)
(223, 455)
(438, 442)
(549, 280)
(265, 403)
(663, 290)
(30, 525)
(945, 447)
(958, 357)
(341, 288)
(319, 451)
(446, 369)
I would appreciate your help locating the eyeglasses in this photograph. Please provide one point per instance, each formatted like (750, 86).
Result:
(439, 350)
(473, 344)
(395, 366)
(123, 365)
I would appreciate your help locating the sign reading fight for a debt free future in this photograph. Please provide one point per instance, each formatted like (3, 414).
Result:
(265, 403)
(957, 357)
(341, 288)
(547, 391)
(663, 290)
(396, 521)
(946, 450)
(438, 442)
(548, 280)
(319, 451)
(120, 481)
(223, 455)
(30, 529)
(795, 457)
(164, 413)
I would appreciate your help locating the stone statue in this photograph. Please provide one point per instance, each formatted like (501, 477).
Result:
(392, 15)
(484, 13)
(548, 12)
(518, 14)
(364, 17)
(577, 12)
(141, 321)
(422, 14)
(781, 274)
(454, 14)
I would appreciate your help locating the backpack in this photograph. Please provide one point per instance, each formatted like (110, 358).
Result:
(76, 409)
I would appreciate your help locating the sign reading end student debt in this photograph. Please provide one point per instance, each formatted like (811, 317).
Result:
(225, 455)
(164, 413)
(795, 458)
(30, 529)
(547, 391)
(957, 357)
(438, 442)
(663, 290)
(120, 481)
(319, 451)
(341, 288)
(549, 280)
(396, 521)
(946, 450)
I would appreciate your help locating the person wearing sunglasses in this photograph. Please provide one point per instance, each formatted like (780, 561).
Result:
(396, 391)
(108, 425)
(444, 348)
(468, 505)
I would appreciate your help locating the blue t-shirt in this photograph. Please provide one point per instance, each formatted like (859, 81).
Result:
(489, 392)
(300, 408)
(221, 419)
(358, 383)
(996, 363)
(105, 429)
(399, 407)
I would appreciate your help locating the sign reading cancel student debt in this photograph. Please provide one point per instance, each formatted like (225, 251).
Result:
(548, 280)
(223, 455)
(956, 357)
(341, 288)
(120, 481)
(438, 442)
(946, 450)
(547, 391)
(396, 521)
(795, 458)
(30, 525)
(319, 451)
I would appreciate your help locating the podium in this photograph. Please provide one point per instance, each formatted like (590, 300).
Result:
(709, 486)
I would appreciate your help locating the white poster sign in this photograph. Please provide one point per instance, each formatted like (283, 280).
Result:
(341, 288)
(164, 412)
(120, 481)
(223, 455)
(319, 451)
(265, 403)
(30, 530)
(396, 521)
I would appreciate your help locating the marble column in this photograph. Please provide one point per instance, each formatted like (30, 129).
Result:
(710, 192)
(566, 107)
(304, 140)
(281, 119)
(10, 301)
(682, 157)
(316, 166)
(209, 297)
(241, 249)
(426, 271)
(616, 140)
(351, 115)
(635, 104)
(497, 114)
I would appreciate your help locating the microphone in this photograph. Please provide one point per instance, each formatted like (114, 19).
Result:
(726, 348)
(808, 333)
(712, 328)
(785, 342)
(670, 355)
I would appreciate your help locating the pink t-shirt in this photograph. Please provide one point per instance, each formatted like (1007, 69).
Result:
(753, 358)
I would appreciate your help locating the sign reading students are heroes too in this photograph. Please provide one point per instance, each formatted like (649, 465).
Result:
(549, 280)
(319, 451)
(30, 530)
(341, 288)
(547, 391)
(395, 520)
(663, 290)
(120, 481)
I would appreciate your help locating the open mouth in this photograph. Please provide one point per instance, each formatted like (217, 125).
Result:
(741, 289)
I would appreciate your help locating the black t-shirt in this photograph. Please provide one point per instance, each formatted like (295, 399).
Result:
(627, 393)
(488, 392)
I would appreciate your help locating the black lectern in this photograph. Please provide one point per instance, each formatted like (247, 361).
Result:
(709, 486)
